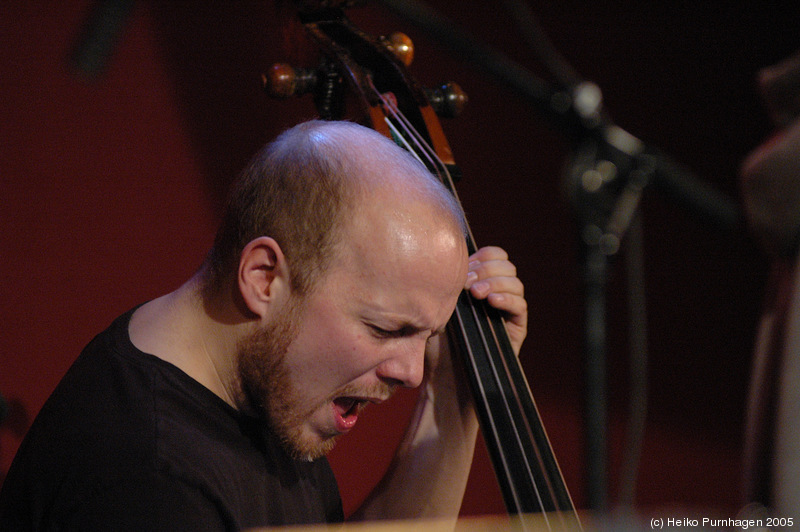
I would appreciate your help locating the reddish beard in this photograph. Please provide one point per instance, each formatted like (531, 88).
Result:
(266, 388)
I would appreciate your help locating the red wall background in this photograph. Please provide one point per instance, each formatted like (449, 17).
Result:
(111, 188)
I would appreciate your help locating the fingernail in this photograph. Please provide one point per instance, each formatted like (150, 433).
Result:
(481, 287)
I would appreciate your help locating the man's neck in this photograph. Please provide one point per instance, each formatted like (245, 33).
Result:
(179, 328)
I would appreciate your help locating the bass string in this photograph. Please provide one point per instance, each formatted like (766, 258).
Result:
(441, 170)
(406, 135)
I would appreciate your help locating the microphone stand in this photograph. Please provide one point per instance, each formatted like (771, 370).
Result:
(604, 212)
(608, 173)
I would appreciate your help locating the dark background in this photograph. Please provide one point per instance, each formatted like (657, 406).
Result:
(112, 187)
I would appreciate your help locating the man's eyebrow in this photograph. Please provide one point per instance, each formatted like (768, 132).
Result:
(399, 325)
(407, 328)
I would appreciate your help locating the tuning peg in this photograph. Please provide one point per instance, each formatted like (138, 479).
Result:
(283, 81)
(448, 100)
(401, 46)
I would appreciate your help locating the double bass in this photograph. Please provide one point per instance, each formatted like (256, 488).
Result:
(364, 79)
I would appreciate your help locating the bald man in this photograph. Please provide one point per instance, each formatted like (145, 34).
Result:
(333, 274)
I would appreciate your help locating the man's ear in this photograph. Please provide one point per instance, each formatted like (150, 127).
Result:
(263, 275)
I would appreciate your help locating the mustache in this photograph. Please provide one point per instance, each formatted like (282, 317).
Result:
(379, 390)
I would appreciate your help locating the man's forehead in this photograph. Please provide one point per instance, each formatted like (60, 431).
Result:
(398, 208)
(400, 225)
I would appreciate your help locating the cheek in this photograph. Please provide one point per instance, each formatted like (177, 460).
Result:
(327, 355)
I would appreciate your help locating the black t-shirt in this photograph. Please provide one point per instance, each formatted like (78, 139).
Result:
(130, 442)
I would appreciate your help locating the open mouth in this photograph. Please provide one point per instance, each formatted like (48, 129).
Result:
(346, 410)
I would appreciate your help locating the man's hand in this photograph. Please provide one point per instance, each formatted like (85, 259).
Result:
(494, 278)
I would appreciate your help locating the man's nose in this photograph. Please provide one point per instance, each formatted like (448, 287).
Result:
(406, 366)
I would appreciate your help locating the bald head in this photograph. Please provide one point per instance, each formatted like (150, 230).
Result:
(303, 188)
(378, 170)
